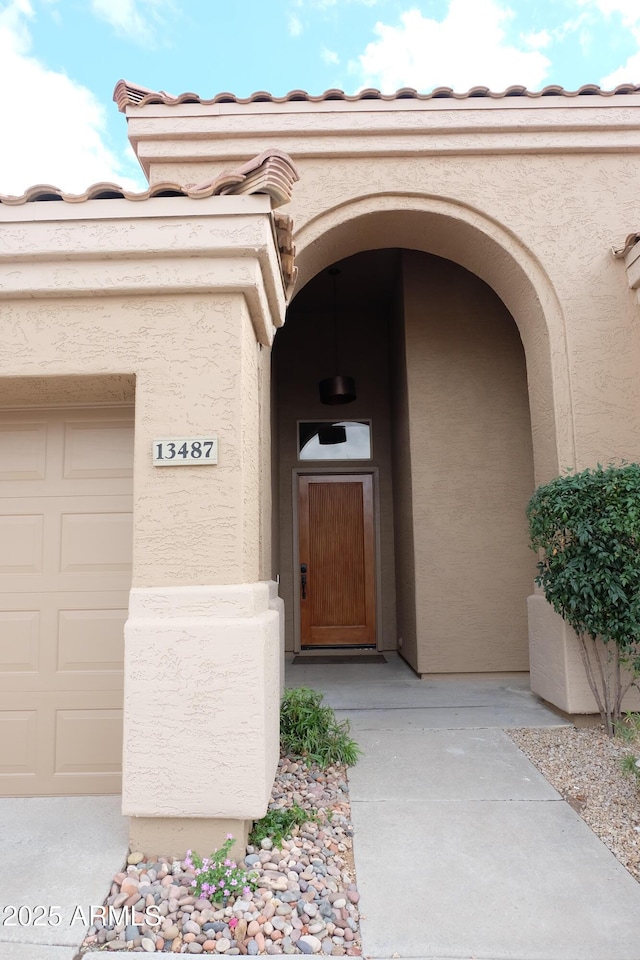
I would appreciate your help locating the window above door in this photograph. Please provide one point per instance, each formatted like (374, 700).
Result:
(334, 440)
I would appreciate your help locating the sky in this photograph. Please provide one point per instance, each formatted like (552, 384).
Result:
(60, 61)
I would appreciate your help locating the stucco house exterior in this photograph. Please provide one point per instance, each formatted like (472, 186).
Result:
(177, 504)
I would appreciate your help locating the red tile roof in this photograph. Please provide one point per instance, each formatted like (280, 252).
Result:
(272, 173)
(131, 94)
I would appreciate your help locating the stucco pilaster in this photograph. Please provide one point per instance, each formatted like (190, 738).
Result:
(200, 524)
(202, 677)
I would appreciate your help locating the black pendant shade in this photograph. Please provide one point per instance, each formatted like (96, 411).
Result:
(331, 434)
(336, 390)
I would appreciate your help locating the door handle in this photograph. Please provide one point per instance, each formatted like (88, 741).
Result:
(303, 581)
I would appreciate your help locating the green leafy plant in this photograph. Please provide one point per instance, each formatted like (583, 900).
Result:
(629, 764)
(278, 823)
(311, 731)
(587, 527)
(628, 728)
(218, 877)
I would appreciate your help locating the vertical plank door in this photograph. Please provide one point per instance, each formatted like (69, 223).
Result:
(337, 546)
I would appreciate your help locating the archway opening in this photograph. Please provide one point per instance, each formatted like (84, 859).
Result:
(441, 381)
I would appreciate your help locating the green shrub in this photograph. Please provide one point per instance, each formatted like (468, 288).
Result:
(311, 731)
(587, 527)
(279, 822)
(629, 765)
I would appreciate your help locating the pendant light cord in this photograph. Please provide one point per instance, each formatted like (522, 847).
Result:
(334, 274)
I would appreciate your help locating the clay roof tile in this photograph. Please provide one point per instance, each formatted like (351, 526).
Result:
(130, 94)
(272, 173)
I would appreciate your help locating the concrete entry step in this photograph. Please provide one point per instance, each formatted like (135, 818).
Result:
(391, 696)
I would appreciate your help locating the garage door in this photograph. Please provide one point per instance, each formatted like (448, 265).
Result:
(65, 572)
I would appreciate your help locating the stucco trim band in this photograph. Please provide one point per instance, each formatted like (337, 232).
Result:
(202, 684)
(167, 246)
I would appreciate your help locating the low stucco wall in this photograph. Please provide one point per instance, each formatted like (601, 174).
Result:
(557, 671)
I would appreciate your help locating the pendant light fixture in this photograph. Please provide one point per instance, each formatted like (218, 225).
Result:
(338, 389)
(332, 433)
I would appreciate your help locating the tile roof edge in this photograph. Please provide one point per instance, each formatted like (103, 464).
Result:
(128, 94)
(630, 241)
(278, 174)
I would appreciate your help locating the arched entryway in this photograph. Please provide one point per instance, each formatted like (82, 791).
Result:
(446, 379)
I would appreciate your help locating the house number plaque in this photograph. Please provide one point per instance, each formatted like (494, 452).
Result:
(180, 451)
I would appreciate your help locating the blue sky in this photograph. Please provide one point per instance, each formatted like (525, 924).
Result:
(60, 60)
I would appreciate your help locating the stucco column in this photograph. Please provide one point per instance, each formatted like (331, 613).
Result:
(183, 295)
(202, 642)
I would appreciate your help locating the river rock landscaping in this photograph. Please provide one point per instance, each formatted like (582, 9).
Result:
(305, 900)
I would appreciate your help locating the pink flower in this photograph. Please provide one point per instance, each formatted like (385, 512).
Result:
(233, 923)
(246, 891)
(226, 893)
(229, 836)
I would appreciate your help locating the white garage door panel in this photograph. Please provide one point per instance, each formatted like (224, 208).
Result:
(97, 449)
(23, 451)
(65, 573)
(62, 641)
(56, 453)
(70, 536)
(52, 745)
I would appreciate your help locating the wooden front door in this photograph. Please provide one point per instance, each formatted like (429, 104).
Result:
(337, 561)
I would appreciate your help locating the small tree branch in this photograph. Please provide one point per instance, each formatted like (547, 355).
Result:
(588, 668)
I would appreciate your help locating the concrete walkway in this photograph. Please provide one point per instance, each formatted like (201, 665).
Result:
(58, 853)
(462, 848)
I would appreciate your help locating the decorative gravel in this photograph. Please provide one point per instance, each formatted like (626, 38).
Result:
(306, 901)
(584, 767)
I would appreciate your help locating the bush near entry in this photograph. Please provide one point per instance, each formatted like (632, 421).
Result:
(310, 730)
(587, 527)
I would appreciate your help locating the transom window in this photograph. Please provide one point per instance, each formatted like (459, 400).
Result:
(334, 440)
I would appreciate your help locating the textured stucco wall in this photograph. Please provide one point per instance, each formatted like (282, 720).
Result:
(176, 296)
(67, 391)
(544, 247)
(185, 310)
(471, 471)
(402, 486)
(303, 353)
(529, 194)
(195, 360)
(211, 657)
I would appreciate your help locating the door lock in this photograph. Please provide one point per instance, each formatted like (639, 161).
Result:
(303, 581)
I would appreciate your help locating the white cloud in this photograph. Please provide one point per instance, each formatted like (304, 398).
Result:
(628, 73)
(537, 41)
(629, 13)
(467, 48)
(325, 4)
(295, 25)
(329, 56)
(629, 10)
(134, 19)
(53, 129)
